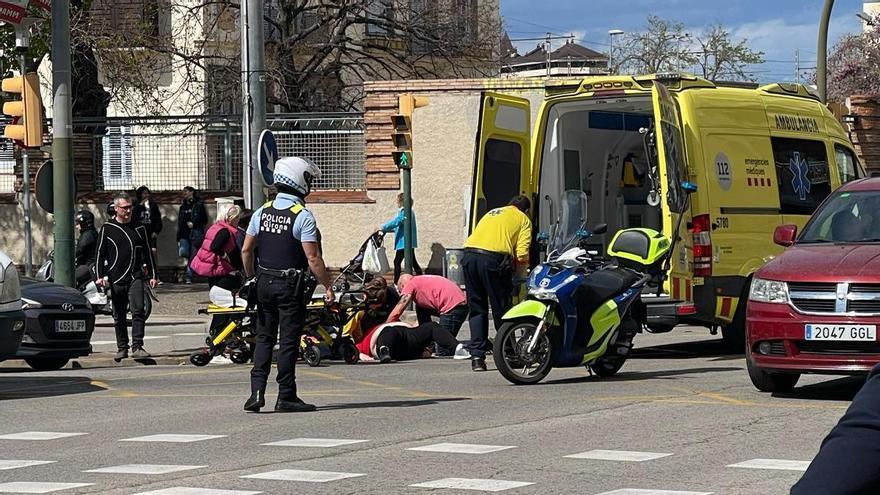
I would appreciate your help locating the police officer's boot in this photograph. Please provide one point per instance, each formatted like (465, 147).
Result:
(256, 401)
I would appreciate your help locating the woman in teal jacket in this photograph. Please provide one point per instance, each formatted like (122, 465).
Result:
(396, 224)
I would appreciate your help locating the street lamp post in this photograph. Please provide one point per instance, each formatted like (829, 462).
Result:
(611, 34)
(822, 51)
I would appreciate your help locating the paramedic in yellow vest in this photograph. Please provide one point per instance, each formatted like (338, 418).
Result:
(498, 248)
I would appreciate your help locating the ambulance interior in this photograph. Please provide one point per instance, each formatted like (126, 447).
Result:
(597, 147)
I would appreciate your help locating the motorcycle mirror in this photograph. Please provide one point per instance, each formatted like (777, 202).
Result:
(600, 229)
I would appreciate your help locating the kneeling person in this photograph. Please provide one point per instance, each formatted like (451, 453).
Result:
(433, 296)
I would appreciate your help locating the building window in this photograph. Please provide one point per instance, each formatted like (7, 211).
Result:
(379, 14)
(223, 90)
(117, 157)
(802, 174)
(139, 23)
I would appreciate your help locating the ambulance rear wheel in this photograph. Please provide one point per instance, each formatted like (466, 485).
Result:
(312, 355)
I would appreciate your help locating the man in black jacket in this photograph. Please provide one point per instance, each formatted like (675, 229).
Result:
(124, 264)
(847, 462)
(86, 246)
(191, 221)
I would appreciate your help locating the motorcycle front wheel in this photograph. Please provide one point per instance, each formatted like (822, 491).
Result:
(512, 358)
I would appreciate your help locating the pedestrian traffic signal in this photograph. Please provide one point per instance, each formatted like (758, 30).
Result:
(402, 125)
(27, 126)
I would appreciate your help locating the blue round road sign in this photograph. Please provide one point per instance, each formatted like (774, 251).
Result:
(267, 155)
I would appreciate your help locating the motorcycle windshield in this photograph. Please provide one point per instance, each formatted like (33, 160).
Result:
(572, 218)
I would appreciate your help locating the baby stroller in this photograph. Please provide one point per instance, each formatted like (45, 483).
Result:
(322, 335)
(232, 329)
(353, 274)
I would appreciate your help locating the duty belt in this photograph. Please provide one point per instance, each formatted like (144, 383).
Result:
(290, 272)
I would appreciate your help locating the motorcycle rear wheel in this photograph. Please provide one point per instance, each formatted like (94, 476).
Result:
(510, 352)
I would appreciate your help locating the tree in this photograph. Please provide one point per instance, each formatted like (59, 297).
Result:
(854, 65)
(183, 56)
(722, 58)
(663, 46)
(666, 45)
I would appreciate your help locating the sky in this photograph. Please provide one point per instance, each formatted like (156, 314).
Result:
(776, 27)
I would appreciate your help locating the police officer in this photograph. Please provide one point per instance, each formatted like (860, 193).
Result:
(498, 246)
(283, 237)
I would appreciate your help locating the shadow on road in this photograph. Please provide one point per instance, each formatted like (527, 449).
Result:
(391, 403)
(680, 350)
(625, 376)
(841, 389)
(109, 323)
(30, 387)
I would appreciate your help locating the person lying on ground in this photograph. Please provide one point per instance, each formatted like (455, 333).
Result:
(433, 296)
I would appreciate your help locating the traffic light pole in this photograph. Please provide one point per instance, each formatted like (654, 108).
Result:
(62, 145)
(26, 174)
(406, 178)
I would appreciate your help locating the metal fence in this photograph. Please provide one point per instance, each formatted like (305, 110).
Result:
(167, 154)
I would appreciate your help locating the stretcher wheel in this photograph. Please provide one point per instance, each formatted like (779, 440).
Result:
(240, 356)
(350, 353)
(200, 358)
(312, 355)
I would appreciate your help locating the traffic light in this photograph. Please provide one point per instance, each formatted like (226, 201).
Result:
(27, 126)
(402, 124)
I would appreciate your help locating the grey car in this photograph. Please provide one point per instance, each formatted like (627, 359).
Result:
(59, 325)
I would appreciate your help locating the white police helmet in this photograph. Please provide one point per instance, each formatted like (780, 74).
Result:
(296, 173)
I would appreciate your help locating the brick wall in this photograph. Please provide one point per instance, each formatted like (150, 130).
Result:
(866, 131)
(381, 104)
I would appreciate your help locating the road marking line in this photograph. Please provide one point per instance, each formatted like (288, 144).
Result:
(303, 475)
(184, 490)
(172, 438)
(639, 491)
(144, 469)
(38, 486)
(618, 455)
(190, 334)
(314, 442)
(473, 484)
(782, 464)
(462, 448)
(108, 342)
(39, 435)
(6, 464)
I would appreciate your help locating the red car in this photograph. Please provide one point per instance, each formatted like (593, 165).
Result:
(816, 307)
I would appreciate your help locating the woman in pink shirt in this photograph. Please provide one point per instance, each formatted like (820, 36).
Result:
(433, 296)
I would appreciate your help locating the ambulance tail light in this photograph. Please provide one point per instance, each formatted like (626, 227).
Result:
(702, 232)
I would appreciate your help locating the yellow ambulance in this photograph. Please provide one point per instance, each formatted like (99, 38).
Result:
(760, 157)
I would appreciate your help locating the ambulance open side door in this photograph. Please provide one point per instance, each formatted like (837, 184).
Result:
(673, 170)
(503, 154)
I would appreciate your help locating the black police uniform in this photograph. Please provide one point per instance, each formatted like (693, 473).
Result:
(847, 462)
(282, 273)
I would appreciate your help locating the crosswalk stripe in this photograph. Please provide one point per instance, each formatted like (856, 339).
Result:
(303, 475)
(108, 342)
(313, 442)
(173, 438)
(15, 464)
(473, 484)
(185, 490)
(38, 486)
(782, 464)
(462, 448)
(618, 455)
(39, 435)
(144, 469)
(639, 491)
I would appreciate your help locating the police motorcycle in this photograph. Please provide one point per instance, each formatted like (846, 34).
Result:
(582, 309)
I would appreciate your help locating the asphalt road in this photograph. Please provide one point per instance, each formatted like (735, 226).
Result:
(676, 418)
